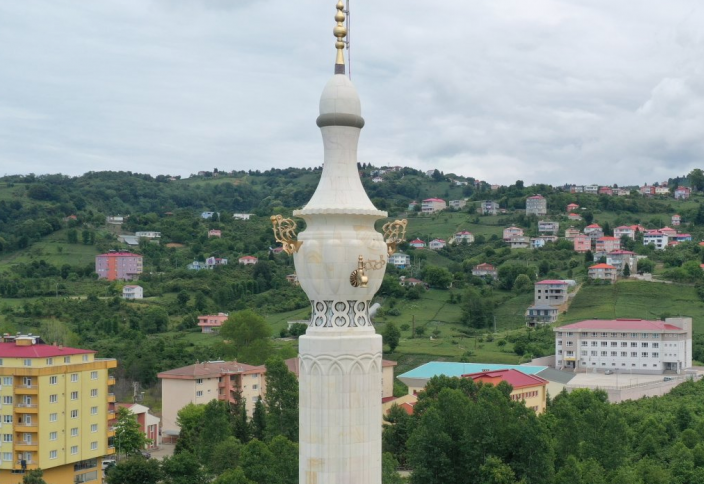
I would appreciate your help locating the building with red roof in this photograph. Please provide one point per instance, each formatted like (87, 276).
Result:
(572, 207)
(626, 230)
(122, 266)
(417, 243)
(530, 389)
(633, 345)
(511, 232)
(591, 228)
(582, 243)
(463, 236)
(248, 260)
(432, 205)
(682, 193)
(676, 220)
(437, 244)
(608, 244)
(604, 272)
(210, 323)
(485, 269)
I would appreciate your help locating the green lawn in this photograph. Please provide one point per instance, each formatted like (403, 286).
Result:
(636, 299)
(55, 250)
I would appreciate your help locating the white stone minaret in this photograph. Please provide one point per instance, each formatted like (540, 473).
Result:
(340, 354)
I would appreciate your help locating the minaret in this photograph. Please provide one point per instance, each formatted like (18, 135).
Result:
(340, 261)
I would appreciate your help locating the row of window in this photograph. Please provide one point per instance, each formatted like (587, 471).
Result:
(53, 454)
(616, 335)
(612, 344)
(623, 354)
(49, 361)
(74, 432)
(524, 395)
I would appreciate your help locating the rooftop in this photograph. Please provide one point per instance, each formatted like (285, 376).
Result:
(602, 266)
(552, 281)
(12, 350)
(621, 324)
(516, 378)
(436, 368)
(209, 369)
(119, 254)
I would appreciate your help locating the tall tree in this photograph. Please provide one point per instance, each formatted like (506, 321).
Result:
(258, 422)
(189, 420)
(248, 337)
(183, 468)
(129, 437)
(392, 336)
(136, 470)
(281, 400)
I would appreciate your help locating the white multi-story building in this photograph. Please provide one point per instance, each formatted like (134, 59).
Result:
(400, 260)
(463, 236)
(436, 244)
(536, 205)
(545, 226)
(626, 230)
(432, 205)
(657, 238)
(489, 207)
(458, 204)
(632, 345)
(519, 242)
(593, 189)
(132, 292)
(148, 234)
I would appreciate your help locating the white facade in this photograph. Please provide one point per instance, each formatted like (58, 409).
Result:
(241, 216)
(536, 205)
(458, 204)
(148, 235)
(624, 230)
(545, 226)
(463, 236)
(634, 345)
(593, 189)
(432, 205)
(437, 244)
(400, 260)
(657, 238)
(132, 292)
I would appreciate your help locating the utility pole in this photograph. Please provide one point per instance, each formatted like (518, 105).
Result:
(413, 327)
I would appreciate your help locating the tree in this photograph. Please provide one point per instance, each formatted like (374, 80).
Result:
(233, 476)
(696, 179)
(34, 477)
(435, 276)
(257, 462)
(258, 422)
(281, 400)
(189, 420)
(248, 335)
(626, 270)
(645, 265)
(183, 468)
(215, 428)
(523, 284)
(389, 475)
(286, 463)
(224, 456)
(137, 470)
(392, 336)
(129, 438)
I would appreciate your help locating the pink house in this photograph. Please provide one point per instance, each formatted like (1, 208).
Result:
(572, 207)
(624, 230)
(606, 191)
(676, 220)
(582, 243)
(574, 216)
(214, 233)
(669, 231)
(591, 228)
(608, 244)
(211, 322)
(682, 193)
(248, 260)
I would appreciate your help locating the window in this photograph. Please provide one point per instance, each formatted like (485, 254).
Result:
(644, 345)
(27, 362)
(593, 335)
(594, 343)
(94, 392)
(634, 354)
(53, 398)
(656, 355)
(93, 446)
(7, 380)
(644, 354)
(584, 353)
(85, 357)
(644, 335)
(52, 417)
(7, 419)
(74, 395)
(254, 387)
(74, 432)
(199, 381)
(50, 361)
(74, 377)
(614, 344)
(53, 380)
(559, 352)
(7, 456)
(634, 344)
(570, 343)
(624, 344)
(624, 353)
(67, 359)
(93, 375)
(656, 345)
(255, 399)
(603, 335)
(7, 400)
(559, 342)
(255, 375)
(604, 343)
(74, 449)
(94, 428)
(634, 335)
(53, 454)
(94, 410)
(603, 353)
(614, 353)
(74, 413)
(7, 437)
(199, 393)
(584, 343)
(594, 353)
(52, 435)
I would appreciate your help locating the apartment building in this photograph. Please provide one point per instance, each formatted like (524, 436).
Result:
(658, 238)
(511, 232)
(626, 230)
(529, 389)
(582, 243)
(432, 205)
(57, 411)
(604, 272)
(536, 205)
(132, 292)
(622, 258)
(632, 345)
(571, 233)
(519, 242)
(489, 207)
(203, 382)
(551, 292)
(458, 204)
(608, 244)
(210, 323)
(539, 314)
(545, 226)
(399, 260)
(122, 266)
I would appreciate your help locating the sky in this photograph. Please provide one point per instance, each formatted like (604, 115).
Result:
(545, 91)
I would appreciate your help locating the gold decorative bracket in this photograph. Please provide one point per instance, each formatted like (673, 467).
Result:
(394, 234)
(285, 233)
(359, 278)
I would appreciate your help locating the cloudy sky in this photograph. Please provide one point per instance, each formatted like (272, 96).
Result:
(552, 91)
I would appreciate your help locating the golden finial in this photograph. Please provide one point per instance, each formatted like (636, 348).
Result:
(340, 31)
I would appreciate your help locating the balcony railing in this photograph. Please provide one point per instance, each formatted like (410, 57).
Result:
(26, 442)
(27, 405)
(24, 424)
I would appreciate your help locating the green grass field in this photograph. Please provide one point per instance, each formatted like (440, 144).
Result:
(55, 250)
(636, 299)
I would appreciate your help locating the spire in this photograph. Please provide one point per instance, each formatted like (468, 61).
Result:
(340, 32)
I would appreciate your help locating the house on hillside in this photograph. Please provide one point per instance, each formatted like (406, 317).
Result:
(676, 220)
(605, 272)
(529, 389)
(432, 205)
(211, 262)
(622, 258)
(132, 292)
(248, 260)
(436, 244)
(545, 226)
(399, 260)
(572, 207)
(512, 232)
(552, 292)
(571, 233)
(463, 236)
(214, 233)
(148, 423)
(591, 189)
(242, 216)
(574, 216)
(656, 237)
(582, 243)
(519, 242)
(539, 314)
(118, 266)
(682, 193)
(197, 266)
(536, 205)
(626, 230)
(608, 244)
(458, 204)
(606, 191)
(211, 323)
(489, 207)
(207, 215)
(485, 269)
(592, 228)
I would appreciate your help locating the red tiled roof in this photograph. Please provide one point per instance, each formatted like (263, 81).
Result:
(536, 197)
(210, 369)
(485, 266)
(593, 226)
(119, 254)
(416, 241)
(516, 378)
(388, 399)
(602, 266)
(433, 200)
(621, 324)
(11, 350)
(607, 238)
(552, 281)
(624, 227)
(621, 252)
(246, 257)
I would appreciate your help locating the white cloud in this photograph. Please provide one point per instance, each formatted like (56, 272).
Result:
(545, 91)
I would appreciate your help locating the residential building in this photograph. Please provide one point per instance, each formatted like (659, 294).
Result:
(606, 191)
(215, 233)
(582, 243)
(485, 269)
(458, 204)
(682, 193)
(595, 235)
(412, 206)
(519, 242)
(676, 220)
(577, 189)
(377, 179)
(677, 238)
(148, 234)
(242, 216)
(57, 410)
(545, 226)
(148, 423)
(620, 258)
(662, 190)
(552, 292)
(211, 323)
(248, 260)
(399, 260)
(536, 205)
(410, 281)
(203, 382)
(536, 243)
(592, 228)
(211, 262)
(207, 215)
(572, 207)
(605, 272)
(489, 207)
(608, 244)
(669, 231)
(529, 389)
(197, 266)
(115, 220)
(647, 190)
(632, 345)
(70, 218)
(657, 238)
(132, 292)
(432, 205)
(622, 192)
(574, 216)
(417, 243)
(512, 232)
(463, 236)
(538, 314)
(131, 240)
(626, 230)
(293, 279)
(591, 189)
(122, 266)
(571, 233)
(436, 244)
